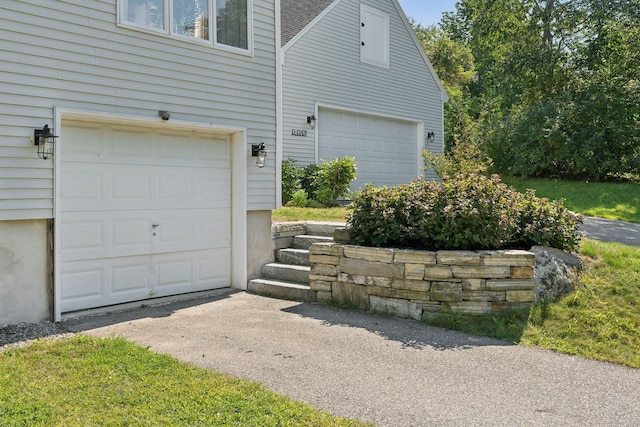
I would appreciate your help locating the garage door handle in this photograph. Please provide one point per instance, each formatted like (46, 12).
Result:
(155, 226)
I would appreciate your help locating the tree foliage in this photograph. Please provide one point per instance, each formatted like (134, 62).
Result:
(453, 62)
(555, 85)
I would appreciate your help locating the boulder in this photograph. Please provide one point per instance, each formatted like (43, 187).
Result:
(556, 273)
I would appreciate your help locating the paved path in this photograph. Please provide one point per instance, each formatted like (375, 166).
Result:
(607, 230)
(390, 371)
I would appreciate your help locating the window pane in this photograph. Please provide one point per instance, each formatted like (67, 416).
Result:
(232, 23)
(191, 18)
(144, 13)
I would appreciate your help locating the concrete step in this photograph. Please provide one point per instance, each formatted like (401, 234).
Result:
(305, 241)
(280, 289)
(286, 272)
(315, 228)
(293, 256)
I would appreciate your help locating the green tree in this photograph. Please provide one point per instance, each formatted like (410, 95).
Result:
(453, 62)
(556, 90)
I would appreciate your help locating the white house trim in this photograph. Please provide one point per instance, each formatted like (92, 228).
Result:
(279, 125)
(240, 153)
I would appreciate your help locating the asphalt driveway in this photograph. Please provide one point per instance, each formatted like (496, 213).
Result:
(607, 230)
(390, 371)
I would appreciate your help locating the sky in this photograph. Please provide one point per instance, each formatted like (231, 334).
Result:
(427, 12)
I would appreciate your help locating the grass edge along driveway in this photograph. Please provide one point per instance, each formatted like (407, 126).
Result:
(112, 382)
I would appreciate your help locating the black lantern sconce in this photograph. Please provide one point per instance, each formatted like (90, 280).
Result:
(431, 136)
(45, 140)
(311, 121)
(260, 152)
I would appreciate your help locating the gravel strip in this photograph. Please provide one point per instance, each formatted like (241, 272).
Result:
(18, 335)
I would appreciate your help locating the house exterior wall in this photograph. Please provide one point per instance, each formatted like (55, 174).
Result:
(322, 67)
(260, 240)
(24, 272)
(81, 59)
(72, 55)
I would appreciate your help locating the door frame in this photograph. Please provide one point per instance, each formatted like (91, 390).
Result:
(239, 153)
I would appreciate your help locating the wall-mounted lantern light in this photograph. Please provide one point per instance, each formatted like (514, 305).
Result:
(164, 115)
(44, 139)
(431, 136)
(260, 152)
(311, 121)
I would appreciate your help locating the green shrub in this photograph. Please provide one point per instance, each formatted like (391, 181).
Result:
(308, 179)
(290, 180)
(333, 178)
(467, 212)
(317, 186)
(461, 158)
(547, 223)
(300, 199)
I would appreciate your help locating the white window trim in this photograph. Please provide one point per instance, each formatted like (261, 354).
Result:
(213, 29)
(386, 63)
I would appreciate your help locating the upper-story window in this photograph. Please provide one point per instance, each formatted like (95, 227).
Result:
(374, 36)
(192, 19)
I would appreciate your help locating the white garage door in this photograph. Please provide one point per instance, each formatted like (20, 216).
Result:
(386, 150)
(143, 213)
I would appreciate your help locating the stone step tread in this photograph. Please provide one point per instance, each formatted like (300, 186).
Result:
(323, 228)
(293, 256)
(288, 266)
(286, 272)
(282, 289)
(295, 251)
(304, 241)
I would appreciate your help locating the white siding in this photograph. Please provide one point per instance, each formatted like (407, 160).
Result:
(80, 59)
(323, 68)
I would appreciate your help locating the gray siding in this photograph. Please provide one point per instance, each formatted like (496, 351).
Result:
(80, 59)
(323, 66)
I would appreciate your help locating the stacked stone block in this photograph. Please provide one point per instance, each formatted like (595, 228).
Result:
(414, 284)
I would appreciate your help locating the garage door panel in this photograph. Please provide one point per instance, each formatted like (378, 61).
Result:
(386, 150)
(100, 187)
(82, 282)
(115, 144)
(95, 283)
(191, 272)
(92, 235)
(192, 230)
(134, 146)
(144, 213)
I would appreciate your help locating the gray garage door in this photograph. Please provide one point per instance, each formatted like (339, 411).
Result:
(386, 150)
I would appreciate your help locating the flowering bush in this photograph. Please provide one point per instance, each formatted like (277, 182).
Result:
(465, 212)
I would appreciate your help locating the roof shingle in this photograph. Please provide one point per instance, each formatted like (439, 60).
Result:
(297, 14)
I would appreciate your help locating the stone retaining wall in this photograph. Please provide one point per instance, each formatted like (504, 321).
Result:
(415, 284)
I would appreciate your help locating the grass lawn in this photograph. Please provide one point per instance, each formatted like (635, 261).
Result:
(310, 214)
(619, 201)
(84, 381)
(600, 320)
